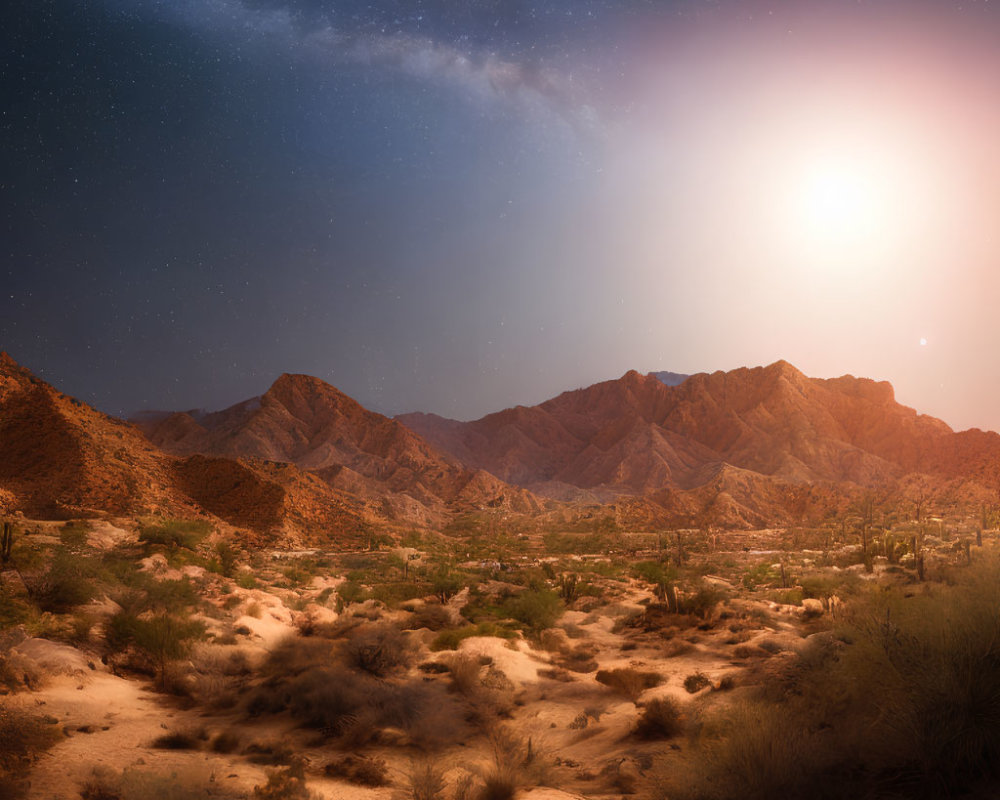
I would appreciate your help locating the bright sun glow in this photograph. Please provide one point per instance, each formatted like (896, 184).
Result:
(841, 201)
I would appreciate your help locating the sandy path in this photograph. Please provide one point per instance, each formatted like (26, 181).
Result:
(120, 719)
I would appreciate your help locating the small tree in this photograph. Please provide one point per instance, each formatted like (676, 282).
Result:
(163, 638)
(446, 583)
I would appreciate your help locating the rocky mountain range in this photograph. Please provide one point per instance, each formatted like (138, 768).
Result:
(749, 447)
(640, 437)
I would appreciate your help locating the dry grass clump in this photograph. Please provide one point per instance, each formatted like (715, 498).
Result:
(360, 770)
(695, 682)
(179, 740)
(425, 781)
(579, 659)
(268, 752)
(661, 719)
(628, 681)
(217, 675)
(378, 649)
(432, 616)
(464, 669)
(226, 742)
(516, 763)
(288, 783)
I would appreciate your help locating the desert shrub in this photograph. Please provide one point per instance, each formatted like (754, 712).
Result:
(174, 533)
(434, 617)
(269, 752)
(284, 784)
(425, 781)
(177, 740)
(160, 638)
(451, 638)
(537, 609)
(225, 742)
(294, 655)
(246, 580)
(74, 534)
(703, 601)
(224, 559)
(677, 647)
(325, 697)
(431, 716)
(823, 585)
(378, 649)
(69, 581)
(760, 575)
(661, 719)
(14, 610)
(173, 595)
(360, 770)
(756, 751)
(660, 575)
(695, 682)
(579, 659)
(446, 583)
(392, 594)
(464, 670)
(788, 597)
(505, 776)
(628, 681)
(351, 592)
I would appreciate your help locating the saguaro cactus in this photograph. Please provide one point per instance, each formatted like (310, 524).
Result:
(6, 541)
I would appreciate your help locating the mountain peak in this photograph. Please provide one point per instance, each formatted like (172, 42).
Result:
(8, 364)
(783, 368)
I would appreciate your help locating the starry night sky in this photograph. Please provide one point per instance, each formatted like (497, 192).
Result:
(459, 206)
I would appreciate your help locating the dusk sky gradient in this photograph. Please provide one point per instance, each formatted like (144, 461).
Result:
(458, 207)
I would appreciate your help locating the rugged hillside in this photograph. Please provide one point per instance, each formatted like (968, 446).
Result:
(304, 421)
(60, 458)
(637, 435)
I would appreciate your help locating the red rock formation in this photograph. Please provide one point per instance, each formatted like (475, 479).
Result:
(304, 421)
(636, 435)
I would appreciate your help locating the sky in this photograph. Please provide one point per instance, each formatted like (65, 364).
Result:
(457, 207)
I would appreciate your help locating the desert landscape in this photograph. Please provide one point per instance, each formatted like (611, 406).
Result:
(499, 400)
(299, 598)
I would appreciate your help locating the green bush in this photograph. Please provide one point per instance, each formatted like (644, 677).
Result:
(161, 638)
(69, 581)
(451, 638)
(537, 609)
